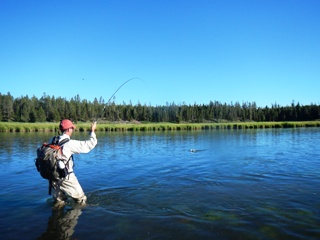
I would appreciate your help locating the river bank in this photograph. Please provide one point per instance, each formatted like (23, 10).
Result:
(53, 127)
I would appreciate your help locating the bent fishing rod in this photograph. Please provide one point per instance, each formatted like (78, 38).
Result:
(104, 107)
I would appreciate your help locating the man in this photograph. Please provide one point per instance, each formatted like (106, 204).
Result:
(69, 185)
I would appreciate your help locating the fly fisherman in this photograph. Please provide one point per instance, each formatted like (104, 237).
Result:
(69, 185)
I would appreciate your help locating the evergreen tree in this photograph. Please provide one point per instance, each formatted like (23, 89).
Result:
(40, 115)
(24, 109)
(7, 107)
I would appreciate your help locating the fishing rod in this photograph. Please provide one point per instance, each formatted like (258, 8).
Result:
(104, 107)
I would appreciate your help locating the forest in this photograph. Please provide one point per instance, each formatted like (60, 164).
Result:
(53, 109)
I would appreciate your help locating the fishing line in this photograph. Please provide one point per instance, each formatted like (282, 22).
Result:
(104, 107)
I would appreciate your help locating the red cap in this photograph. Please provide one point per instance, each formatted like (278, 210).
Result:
(66, 124)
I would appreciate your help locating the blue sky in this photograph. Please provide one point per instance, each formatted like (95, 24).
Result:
(263, 51)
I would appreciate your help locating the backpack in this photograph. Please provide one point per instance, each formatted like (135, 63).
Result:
(48, 163)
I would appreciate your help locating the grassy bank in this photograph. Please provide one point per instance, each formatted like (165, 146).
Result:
(53, 127)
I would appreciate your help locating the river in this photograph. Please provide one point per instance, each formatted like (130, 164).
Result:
(216, 184)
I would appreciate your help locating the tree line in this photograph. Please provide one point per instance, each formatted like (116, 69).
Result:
(53, 109)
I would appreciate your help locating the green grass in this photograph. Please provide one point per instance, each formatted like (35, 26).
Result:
(117, 127)
(28, 127)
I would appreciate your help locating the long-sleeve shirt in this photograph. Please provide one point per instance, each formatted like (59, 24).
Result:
(76, 147)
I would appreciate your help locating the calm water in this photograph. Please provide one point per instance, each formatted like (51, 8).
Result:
(247, 184)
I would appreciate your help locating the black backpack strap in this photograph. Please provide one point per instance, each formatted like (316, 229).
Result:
(55, 141)
(63, 141)
(50, 186)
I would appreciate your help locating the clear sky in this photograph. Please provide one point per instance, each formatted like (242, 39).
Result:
(185, 51)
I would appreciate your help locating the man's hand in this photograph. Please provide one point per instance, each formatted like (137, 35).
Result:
(93, 126)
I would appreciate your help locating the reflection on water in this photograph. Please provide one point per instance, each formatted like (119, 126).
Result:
(248, 184)
(61, 224)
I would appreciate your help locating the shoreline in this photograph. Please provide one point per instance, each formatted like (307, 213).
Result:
(122, 127)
